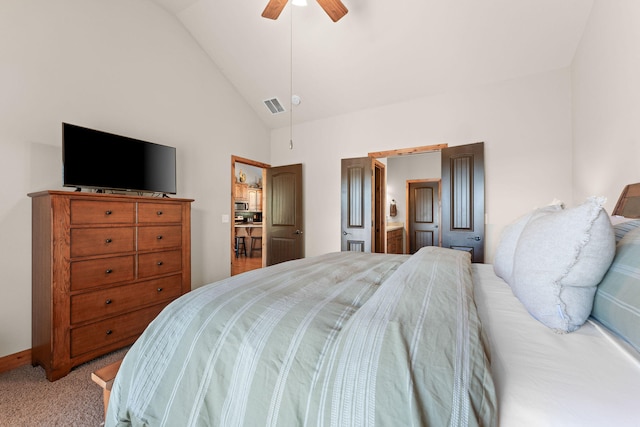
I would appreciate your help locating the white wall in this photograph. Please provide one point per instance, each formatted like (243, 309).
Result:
(122, 66)
(525, 124)
(606, 94)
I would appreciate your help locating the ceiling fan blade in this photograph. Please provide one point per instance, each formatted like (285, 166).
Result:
(273, 9)
(334, 8)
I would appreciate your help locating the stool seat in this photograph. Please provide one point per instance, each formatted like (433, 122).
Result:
(240, 248)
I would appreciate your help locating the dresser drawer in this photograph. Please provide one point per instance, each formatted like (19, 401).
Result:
(103, 271)
(106, 332)
(159, 237)
(120, 299)
(157, 263)
(102, 241)
(159, 213)
(102, 212)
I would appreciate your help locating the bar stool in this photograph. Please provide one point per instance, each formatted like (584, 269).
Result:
(240, 246)
(255, 239)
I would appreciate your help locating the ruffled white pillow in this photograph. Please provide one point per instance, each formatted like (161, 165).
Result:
(559, 260)
(506, 250)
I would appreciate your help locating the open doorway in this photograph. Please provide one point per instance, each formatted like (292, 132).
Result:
(418, 208)
(462, 211)
(248, 182)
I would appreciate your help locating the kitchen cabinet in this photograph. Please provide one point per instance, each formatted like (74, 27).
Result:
(255, 199)
(241, 191)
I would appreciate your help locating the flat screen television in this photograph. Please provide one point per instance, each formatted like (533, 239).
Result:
(104, 161)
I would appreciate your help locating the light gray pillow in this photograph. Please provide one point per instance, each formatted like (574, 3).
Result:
(617, 301)
(560, 259)
(622, 228)
(506, 250)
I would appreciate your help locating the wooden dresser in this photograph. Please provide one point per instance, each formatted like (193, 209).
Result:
(103, 267)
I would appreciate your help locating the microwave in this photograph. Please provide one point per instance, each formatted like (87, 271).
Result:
(241, 206)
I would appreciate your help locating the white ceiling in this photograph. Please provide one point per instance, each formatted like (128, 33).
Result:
(382, 51)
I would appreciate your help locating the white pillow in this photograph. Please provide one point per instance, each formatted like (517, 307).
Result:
(505, 252)
(560, 259)
(619, 219)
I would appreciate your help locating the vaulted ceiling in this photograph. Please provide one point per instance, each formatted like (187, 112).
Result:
(381, 52)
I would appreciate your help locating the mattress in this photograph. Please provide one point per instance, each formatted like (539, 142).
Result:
(589, 377)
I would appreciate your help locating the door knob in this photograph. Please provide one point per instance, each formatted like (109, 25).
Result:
(476, 238)
(344, 233)
(298, 232)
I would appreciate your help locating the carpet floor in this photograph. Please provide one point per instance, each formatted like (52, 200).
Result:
(28, 399)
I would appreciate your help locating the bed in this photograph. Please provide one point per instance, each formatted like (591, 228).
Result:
(354, 339)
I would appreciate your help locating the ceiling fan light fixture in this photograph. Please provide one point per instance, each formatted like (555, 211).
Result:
(334, 8)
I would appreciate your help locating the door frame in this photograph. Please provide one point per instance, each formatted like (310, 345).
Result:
(407, 151)
(264, 167)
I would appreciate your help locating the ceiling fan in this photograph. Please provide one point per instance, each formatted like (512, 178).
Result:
(334, 8)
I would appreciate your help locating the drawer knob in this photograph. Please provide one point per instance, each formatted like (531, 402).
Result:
(159, 263)
(159, 237)
(109, 331)
(159, 213)
(108, 271)
(108, 301)
(108, 240)
(108, 213)
(159, 289)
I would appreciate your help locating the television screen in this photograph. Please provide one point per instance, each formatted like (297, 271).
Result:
(101, 160)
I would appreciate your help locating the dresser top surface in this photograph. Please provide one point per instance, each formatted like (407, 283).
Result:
(102, 196)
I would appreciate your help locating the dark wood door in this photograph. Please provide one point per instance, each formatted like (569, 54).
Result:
(463, 199)
(379, 208)
(356, 212)
(284, 216)
(424, 214)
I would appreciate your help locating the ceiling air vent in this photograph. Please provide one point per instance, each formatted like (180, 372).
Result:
(274, 106)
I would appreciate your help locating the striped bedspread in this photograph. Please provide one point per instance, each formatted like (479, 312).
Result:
(343, 339)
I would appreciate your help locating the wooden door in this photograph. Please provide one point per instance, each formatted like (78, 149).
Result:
(463, 199)
(284, 218)
(423, 214)
(379, 208)
(356, 212)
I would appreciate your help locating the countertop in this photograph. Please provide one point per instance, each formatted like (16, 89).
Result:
(391, 227)
(249, 225)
